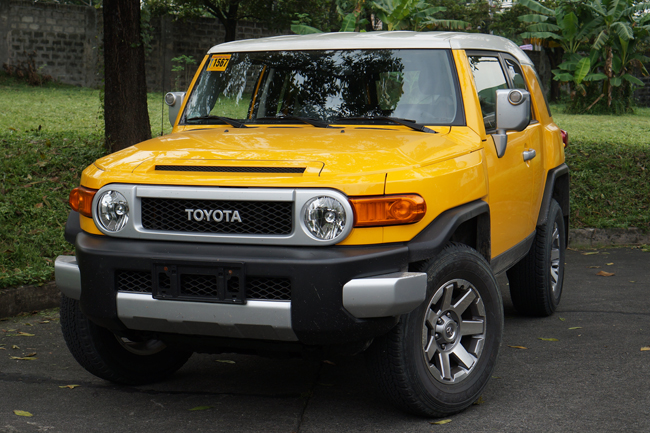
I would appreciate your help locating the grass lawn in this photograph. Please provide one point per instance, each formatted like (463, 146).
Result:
(609, 158)
(49, 134)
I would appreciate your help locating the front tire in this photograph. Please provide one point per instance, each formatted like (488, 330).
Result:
(439, 357)
(114, 358)
(536, 281)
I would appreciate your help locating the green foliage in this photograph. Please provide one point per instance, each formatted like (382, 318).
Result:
(413, 15)
(506, 23)
(418, 15)
(479, 15)
(609, 158)
(182, 70)
(602, 43)
(48, 135)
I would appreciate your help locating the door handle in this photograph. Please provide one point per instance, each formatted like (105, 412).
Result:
(529, 154)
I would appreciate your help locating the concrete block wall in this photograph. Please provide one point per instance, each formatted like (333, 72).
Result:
(67, 40)
(62, 39)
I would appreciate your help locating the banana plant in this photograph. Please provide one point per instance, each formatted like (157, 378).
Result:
(413, 15)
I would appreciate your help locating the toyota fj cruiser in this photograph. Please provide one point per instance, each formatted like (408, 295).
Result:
(349, 191)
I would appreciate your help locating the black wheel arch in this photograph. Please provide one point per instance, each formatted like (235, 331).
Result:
(467, 224)
(556, 188)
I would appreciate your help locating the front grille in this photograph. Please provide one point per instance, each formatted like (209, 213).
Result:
(226, 169)
(205, 286)
(181, 215)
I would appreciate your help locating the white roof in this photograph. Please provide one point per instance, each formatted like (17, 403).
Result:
(376, 40)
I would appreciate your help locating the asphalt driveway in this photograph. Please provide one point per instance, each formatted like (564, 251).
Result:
(594, 378)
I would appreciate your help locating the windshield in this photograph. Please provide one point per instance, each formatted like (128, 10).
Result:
(330, 86)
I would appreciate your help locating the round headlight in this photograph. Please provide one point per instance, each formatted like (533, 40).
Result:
(324, 218)
(112, 211)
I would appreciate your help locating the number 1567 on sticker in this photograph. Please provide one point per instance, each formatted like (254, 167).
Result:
(218, 63)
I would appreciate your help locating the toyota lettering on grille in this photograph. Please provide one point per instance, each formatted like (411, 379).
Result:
(229, 216)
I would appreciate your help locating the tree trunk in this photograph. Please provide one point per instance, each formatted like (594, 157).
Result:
(609, 73)
(231, 21)
(126, 117)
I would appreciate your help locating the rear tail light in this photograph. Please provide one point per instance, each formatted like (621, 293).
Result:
(565, 137)
(81, 200)
(388, 210)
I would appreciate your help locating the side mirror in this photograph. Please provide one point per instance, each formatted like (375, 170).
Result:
(175, 102)
(512, 113)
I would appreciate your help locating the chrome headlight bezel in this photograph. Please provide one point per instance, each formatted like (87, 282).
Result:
(111, 211)
(334, 207)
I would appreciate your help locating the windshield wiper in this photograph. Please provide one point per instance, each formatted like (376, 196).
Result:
(232, 122)
(405, 122)
(315, 122)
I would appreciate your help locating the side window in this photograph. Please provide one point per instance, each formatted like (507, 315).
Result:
(488, 77)
(516, 76)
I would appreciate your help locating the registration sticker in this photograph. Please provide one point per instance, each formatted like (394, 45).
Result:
(219, 62)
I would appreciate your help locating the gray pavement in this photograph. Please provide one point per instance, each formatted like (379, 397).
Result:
(595, 378)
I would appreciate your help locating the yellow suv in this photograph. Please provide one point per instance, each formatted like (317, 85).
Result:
(335, 192)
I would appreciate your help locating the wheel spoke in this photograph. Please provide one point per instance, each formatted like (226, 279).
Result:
(463, 356)
(431, 318)
(437, 295)
(464, 302)
(445, 365)
(431, 349)
(554, 274)
(471, 327)
(555, 255)
(446, 300)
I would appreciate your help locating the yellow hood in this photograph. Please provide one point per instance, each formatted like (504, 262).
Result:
(322, 152)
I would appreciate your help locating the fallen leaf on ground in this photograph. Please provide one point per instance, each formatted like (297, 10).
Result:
(24, 358)
(609, 264)
(590, 253)
(593, 267)
(69, 386)
(201, 408)
(31, 354)
(444, 421)
(562, 318)
(479, 401)
(225, 361)
(605, 274)
(576, 327)
(645, 349)
(548, 339)
(15, 347)
(25, 334)
(518, 347)
(632, 281)
(3, 348)
(22, 413)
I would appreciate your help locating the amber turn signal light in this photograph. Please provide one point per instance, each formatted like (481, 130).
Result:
(81, 200)
(388, 210)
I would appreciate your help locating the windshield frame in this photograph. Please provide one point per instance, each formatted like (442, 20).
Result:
(459, 117)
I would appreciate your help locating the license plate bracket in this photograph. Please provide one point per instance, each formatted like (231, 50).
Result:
(218, 282)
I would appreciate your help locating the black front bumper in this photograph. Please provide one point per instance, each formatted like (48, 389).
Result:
(317, 277)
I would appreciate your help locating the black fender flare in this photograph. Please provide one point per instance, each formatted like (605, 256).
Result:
(557, 187)
(430, 241)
